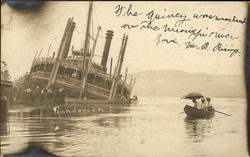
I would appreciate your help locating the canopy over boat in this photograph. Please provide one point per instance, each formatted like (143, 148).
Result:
(194, 95)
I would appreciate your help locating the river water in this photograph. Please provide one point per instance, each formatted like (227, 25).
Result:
(153, 127)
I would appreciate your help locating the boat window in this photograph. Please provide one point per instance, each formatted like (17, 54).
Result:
(108, 84)
(79, 74)
(68, 72)
(49, 67)
(74, 74)
(38, 67)
(35, 68)
(91, 78)
(61, 70)
(71, 73)
(41, 68)
(119, 89)
(100, 81)
(125, 93)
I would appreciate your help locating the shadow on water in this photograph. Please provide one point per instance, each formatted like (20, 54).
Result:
(197, 129)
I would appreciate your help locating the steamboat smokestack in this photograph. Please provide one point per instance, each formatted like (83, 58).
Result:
(68, 40)
(109, 36)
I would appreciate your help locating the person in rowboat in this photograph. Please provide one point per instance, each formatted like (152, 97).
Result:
(208, 101)
(209, 104)
(203, 103)
(196, 103)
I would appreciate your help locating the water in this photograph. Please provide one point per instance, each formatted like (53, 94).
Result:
(153, 127)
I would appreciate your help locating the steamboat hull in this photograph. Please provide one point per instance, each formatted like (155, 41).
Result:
(98, 85)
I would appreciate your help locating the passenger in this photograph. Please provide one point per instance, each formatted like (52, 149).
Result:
(196, 104)
(44, 94)
(74, 75)
(209, 104)
(28, 93)
(61, 95)
(37, 94)
(203, 103)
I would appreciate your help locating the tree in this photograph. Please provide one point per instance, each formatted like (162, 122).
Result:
(4, 71)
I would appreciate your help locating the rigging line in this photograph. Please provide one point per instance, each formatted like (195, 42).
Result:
(92, 28)
(91, 37)
(96, 17)
(78, 31)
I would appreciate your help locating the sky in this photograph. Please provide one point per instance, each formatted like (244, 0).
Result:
(23, 33)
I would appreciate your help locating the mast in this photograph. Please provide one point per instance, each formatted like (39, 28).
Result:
(124, 83)
(126, 74)
(48, 52)
(61, 52)
(110, 70)
(95, 42)
(118, 68)
(86, 50)
(33, 62)
(40, 53)
(132, 86)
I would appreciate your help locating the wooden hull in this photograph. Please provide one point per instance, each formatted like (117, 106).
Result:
(72, 101)
(92, 90)
(134, 101)
(193, 112)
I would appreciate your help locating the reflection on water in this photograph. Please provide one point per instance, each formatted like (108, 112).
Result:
(40, 124)
(151, 128)
(4, 118)
(197, 129)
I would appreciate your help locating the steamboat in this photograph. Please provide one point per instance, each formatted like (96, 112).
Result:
(79, 76)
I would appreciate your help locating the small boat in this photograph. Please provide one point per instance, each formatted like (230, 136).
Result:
(193, 112)
(134, 99)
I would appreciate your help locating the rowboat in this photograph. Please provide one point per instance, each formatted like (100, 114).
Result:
(134, 99)
(193, 112)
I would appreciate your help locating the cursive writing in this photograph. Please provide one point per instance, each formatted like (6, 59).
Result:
(152, 16)
(121, 10)
(222, 48)
(215, 17)
(219, 47)
(183, 30)
(159, 40)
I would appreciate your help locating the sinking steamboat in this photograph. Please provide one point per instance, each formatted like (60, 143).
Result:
(77, 74)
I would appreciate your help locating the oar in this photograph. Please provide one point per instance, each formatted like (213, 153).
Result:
(181, 112)
(222, 113)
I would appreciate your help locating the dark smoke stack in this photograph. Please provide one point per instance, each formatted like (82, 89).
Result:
(109, 36)
(69, 38)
